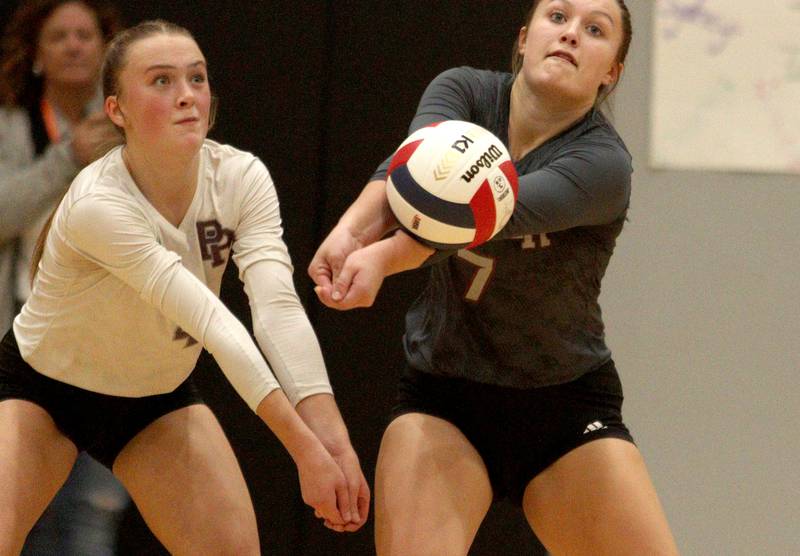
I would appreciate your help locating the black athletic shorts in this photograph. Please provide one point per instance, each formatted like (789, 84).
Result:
(100, 424)
(519, 432)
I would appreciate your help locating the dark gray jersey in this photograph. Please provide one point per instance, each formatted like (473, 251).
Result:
(522, 310)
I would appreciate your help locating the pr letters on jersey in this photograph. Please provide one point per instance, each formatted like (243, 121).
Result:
(485, 265)
(213, 239)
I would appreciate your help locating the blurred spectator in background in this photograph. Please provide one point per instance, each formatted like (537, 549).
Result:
(51, 126)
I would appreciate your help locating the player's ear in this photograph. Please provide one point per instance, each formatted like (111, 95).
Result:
(521, 39)
(613, 74)
(113, 111)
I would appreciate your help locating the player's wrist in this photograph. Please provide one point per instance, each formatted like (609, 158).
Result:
(401, 252)
(321, 415)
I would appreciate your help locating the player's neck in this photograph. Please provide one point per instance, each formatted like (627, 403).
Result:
(534, 119)
(168, 183)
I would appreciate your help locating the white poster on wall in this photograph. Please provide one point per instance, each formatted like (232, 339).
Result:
(726, 85)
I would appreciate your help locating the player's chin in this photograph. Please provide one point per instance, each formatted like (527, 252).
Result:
(191, 139)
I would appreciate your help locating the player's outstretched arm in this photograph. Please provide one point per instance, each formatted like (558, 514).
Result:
(364, 270)
(322, 482)
(322, 416)
(366, 221)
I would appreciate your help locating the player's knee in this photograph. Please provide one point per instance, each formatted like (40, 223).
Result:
(11, 538)
(424, 545)
(245, 545)
(234, 542)
(234, 533)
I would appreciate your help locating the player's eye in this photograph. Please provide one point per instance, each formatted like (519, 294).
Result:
(595, 30)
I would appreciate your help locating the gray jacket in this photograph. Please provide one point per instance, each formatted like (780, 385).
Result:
(29, 186)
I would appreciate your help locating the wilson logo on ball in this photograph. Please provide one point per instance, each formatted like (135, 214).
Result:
(452, 185)
(485, 161)
(461, 145)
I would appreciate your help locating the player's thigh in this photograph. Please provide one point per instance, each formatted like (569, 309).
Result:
(183, 476)
(598, 499)
(35, 460)
(431, 488)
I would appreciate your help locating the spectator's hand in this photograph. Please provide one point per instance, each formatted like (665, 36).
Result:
(91, 135)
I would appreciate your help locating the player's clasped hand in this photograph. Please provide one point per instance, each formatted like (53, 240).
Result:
(324, 488)
(357, 283)
(331, 255)
(340, 499)
(357, 489)
(344, 275)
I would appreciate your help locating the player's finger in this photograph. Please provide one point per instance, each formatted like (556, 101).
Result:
(358, 295)
(319, 273)
(328, 509)
(323, 293)
(323, 279)
(335, 527)
(341, 284)
(353, 488)
(363, 504)
(343, 502)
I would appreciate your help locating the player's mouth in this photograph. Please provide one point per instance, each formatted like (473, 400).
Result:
(564, 55)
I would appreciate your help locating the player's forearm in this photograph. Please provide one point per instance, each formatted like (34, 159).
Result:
(369, 218)
(322, 416)
(284, 332)
(399, 252)
(279, 415)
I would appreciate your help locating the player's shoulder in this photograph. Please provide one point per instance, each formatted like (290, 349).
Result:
(221, 153)
(469, 75)
(232, 173)
(229, 162)
(598, 135)
(104, 187)
(107, 174)
(601, 128)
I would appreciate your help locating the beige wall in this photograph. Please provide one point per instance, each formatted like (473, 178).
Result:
(702, 304)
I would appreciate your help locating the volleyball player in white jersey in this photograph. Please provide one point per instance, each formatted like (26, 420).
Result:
(126, 295)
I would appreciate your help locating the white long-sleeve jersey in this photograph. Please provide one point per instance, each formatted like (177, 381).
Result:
(123, 300)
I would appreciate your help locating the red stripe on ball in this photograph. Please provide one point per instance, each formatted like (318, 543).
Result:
(402, 155)
(482, 205)
(511, 175)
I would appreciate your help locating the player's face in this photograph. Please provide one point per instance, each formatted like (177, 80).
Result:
(570, 47)
(70, 46)
(164, 97)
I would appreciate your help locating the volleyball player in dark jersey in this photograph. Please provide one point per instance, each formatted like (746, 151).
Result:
(510, 389)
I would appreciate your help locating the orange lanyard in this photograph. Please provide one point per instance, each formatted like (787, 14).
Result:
(50, 122)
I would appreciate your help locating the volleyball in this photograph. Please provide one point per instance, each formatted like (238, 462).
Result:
(452, 184)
